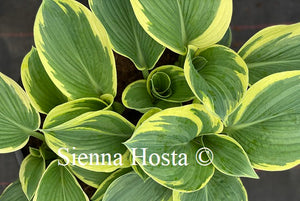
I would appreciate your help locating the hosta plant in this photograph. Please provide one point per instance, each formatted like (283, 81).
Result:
(235, 111)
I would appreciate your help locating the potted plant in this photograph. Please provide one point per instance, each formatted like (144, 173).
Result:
(203, 122)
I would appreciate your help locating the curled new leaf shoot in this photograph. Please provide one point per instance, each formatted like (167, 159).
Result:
(160, 85)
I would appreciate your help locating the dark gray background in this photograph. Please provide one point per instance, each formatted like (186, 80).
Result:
(16, 22)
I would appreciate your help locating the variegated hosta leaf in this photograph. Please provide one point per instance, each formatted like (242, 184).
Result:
(130, 187)
(272, 50)
(92, 141)
(18, 118)
(89, 177)
(267, 122)
(42, 92)
(177, 24)
(74, 49)
(228, 156)
(227, 38)
(98, 196)
(147, 115)
(73, 109)
(219, 188)
(168, 141)
(13, 192)
(138, 170)
(218, 77)
(31, 171)
(136, 96)
(58, 183)
(168, 83)
(126, 34)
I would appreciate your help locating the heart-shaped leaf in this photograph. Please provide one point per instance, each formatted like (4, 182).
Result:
(74, 49)
(58, 183)
(42, 92)
(165, 146)
(219, 188)
(266, 123)
(218, 77)
(31, 171)
(130, 187)
(126, 34)
(73, 109)
(92, 141)
(228, 156)
(272, 50)
(18, 118)
(177, 24)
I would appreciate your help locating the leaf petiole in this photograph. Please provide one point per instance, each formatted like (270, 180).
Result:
(37, 135)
